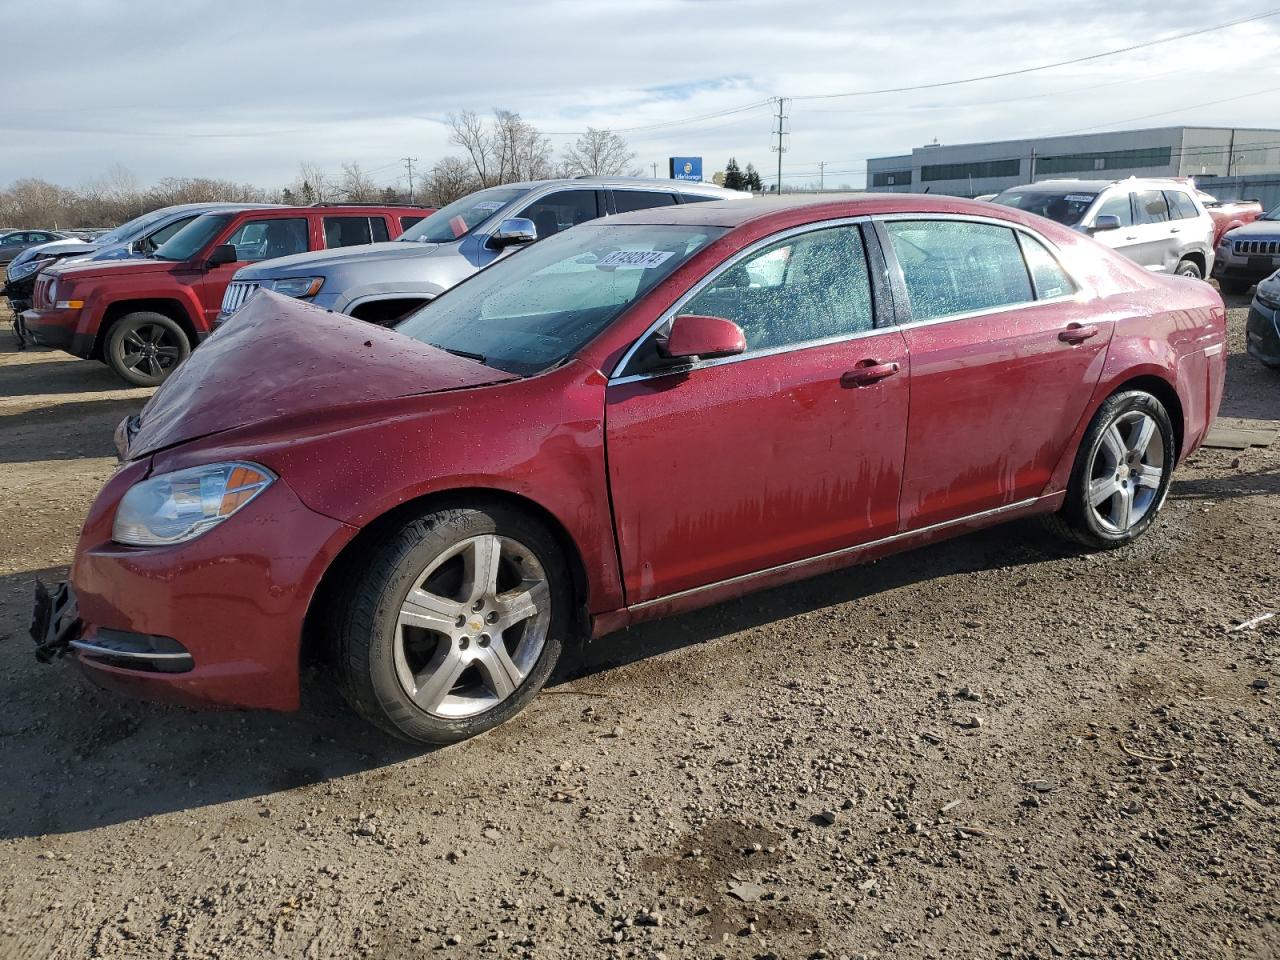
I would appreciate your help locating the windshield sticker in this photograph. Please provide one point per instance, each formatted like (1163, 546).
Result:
(458, 226)
(489, 206)
(1078, 198)
(643, 259)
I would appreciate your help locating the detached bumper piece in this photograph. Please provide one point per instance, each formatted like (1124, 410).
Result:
(55, 621)
(56, 628)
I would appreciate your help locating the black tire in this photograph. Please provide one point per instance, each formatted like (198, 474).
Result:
(143, 348)
(1234, 286)
(1077, 521)
(1189, 268)
(363, 620)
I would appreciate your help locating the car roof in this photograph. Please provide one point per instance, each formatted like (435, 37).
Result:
(653, 183)
(824, 206)
(1097, 186)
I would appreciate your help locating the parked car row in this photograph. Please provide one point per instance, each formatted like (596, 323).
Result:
(647, 413)
(13, 242)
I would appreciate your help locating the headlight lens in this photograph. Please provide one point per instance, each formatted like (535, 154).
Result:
(298, 286)
(179, 506)
(24, 270)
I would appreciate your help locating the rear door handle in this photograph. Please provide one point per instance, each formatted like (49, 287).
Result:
(868, 372)
(1175, 229)
(1078, 333)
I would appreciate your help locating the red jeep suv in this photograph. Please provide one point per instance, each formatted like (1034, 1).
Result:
(143, 317)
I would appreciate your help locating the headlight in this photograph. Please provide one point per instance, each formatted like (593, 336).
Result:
(179, 506)
(24, 270)
(298, 286)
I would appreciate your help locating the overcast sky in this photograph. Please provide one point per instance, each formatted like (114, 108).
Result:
(245, 90)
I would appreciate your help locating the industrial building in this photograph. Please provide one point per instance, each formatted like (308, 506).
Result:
(971, 169)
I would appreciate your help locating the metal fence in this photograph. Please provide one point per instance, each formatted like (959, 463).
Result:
(1263, 187)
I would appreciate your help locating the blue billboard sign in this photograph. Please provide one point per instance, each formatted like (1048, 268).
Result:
(686, 168)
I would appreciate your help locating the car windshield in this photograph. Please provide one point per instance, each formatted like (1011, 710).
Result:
(462, 216)
(188, 241)
(1065, 206)
(542, 304)
(130, 229)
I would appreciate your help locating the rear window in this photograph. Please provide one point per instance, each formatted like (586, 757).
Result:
(1151, 206)
(408, 221)
(1181, 206)
(625, 201)
(353, 231)
(1065, 206)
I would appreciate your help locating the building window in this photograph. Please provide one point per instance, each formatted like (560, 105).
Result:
(890, 178)
(1106, 160)
(963, 171)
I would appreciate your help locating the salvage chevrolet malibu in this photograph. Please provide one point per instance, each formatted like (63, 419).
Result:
(626, 420)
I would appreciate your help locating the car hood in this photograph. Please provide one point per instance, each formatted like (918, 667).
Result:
(279, 358)
(62, 248)
(89, 269)
(299, 263)
(1256, 230)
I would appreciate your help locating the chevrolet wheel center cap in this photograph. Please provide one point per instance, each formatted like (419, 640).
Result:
(476, 624)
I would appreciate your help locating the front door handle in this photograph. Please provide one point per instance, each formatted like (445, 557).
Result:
(868, 372)
(1078, 333)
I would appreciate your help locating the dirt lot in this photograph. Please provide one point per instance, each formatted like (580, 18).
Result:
(992, 748)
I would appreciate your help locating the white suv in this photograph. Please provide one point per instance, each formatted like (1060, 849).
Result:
(1158, 223)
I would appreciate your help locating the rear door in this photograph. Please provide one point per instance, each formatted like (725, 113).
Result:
(1152, 222)
(736, 465)
(1005, 352)
(352, 231)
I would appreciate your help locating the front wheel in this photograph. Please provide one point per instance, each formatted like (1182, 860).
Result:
(1121, 474)
(452, 624)
(143, 348)
(1189, 268)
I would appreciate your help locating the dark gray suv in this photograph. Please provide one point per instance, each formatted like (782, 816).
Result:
(381, 282)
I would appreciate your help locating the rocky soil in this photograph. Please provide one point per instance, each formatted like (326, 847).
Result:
(996, 747)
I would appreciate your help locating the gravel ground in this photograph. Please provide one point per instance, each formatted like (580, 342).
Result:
(995, 747)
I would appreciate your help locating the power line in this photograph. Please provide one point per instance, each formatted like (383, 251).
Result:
(1045, 66)
(1165, 113)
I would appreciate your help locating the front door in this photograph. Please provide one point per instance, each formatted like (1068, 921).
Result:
(1005, 354)
(788, 451)
(254, 240)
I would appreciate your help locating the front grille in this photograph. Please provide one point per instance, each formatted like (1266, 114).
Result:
(238, 291)
(1258, 247)
(42, 296)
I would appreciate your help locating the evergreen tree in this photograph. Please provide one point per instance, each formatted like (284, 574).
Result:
(733, 178)
(752, 178)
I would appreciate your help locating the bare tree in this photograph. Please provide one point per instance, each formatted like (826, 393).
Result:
(312, 184)
(470, 133)
(357, 186)
(598, 153)
(450, 179)
(504, 149)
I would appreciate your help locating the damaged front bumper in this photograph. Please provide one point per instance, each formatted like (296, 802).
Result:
(55, 620)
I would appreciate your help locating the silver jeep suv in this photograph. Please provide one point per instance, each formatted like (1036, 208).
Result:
(381, 282)
(1158, 223)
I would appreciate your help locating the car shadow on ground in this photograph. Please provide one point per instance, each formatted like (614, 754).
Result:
(58, 374)
(1250, 483)
(80, 758)
(67, 431)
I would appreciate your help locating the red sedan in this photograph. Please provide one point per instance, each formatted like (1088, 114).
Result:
(632, 418)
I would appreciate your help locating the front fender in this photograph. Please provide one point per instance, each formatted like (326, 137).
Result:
(349, 300)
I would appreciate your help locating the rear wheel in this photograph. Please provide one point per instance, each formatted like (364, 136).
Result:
(453, 624)
(143, 348)
(1234, 286)
(1121, 475)
(1189, 268)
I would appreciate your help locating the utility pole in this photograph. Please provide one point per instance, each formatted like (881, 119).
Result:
(408, 163)
(1032, 178)
(822, 165)
(780, 133)
(1231, 150)
(655, 171)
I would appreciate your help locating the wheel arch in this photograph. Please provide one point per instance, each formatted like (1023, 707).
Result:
(175, 310)
(1199, 258)
(1163, 391)
(341, 565)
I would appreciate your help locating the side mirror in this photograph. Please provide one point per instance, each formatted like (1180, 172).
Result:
(513, 232)
(1106, 221)
(697, 337)
(223, 253)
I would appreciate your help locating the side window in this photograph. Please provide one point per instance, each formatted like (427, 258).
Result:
(811, 286)
(1047, 274)
(697, 198)
(1151, 207)
(1181, 206)
(13, 239)
(346, 231)
(1116, 205)
(378, 229)
(560, 211)
(952, 266)
(624, 201)
(408, 221)
(164, 233)
(267, 239)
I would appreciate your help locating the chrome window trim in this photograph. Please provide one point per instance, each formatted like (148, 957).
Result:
(1079, 295)
(615, 376)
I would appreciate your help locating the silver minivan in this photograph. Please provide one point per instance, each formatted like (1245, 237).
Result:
(381, 282)
(1158, 223)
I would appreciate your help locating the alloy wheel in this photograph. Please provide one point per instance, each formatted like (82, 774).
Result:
(150, 350)
(472, 626)
(1127, 471)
